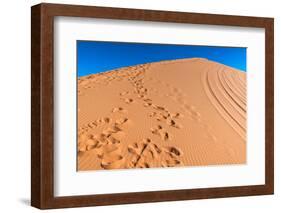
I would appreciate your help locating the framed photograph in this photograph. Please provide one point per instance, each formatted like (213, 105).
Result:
(134, 106)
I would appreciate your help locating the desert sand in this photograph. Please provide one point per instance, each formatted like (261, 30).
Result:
(186, 112)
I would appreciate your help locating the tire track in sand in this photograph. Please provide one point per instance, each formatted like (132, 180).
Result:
(229, 100)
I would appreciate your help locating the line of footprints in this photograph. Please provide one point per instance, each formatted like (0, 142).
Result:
(144, 154)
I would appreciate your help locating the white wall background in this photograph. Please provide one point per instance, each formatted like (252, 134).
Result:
(15, 104)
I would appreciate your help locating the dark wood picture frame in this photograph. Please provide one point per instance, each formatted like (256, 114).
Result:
(42, 92)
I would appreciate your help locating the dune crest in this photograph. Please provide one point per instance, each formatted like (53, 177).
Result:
(187, 112)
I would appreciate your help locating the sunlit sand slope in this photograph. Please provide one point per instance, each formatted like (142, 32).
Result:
(188, 112)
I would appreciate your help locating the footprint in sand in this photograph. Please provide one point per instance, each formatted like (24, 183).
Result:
(118, 109)
(105, 120)
(141, 96)
(86, 143)
(124, 93)
(172, 163)
(138, 150)
(147, 104)
(147, 154)
(128, 100)
(159, 108)
(193, 113)
(176, 94)
(172, 157)
(169, 118)
(208, 130)
(173, 151)
(112, 161)
(91, 125)
(159, 116)
(143, 90)
(164, 135)
(106, 144)
(121, 121)
(177, 115)
(111, 157)
(173, 123)
(111, 130)
(115, 132)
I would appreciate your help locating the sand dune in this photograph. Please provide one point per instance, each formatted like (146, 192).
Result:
(188, 112)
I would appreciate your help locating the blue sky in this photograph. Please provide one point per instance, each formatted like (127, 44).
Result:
(97, 56)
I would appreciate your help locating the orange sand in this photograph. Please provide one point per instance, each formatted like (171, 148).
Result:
(188, 112)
